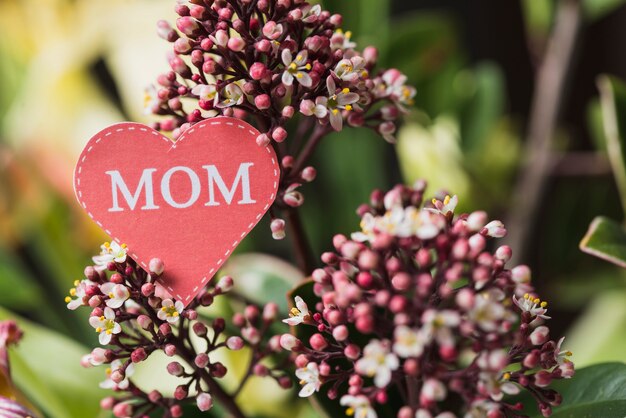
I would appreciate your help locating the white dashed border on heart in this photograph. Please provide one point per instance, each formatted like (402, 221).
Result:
(139, 127)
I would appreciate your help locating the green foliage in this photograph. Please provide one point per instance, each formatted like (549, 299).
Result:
(606, 239)
(46, 367)
(597, 9)
(613, 102)
(596, 391)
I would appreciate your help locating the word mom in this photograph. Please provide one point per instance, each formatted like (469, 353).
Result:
(145, 187)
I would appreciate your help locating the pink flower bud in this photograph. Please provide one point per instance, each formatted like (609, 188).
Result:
(263, 101)
(308, 174)
(272, 31)
(540, 335)
(370, 54)
(251, 334)
(258, 71)
(165, 31)
(401, 281)
(263, 45)
(288, 112)
(187, 25)
(340, 333)
(156, 266)
(176, 411)
(199, 329)
(204, 401)
(279, 134)
(263, 140)
(180, 393)
(236, 44)
(175, 368)
(165, 329)
(289, 342)
(155, 396)
(221, 38)
(278, 228)
(521, 274)
(234, 343)
(201, 360)
(504, 253)
(123, 410)
(270, 311)
(107, 403)
(543, 378)
(225, 284)
(494, 229)
(138, 355)
(352, 351)
(170, 350)
(318, 342)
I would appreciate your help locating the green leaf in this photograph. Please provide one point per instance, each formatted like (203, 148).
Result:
(46, 367)
(17, 287)
(613, 102)
(262, 278)
(606, 239)
(595, 391)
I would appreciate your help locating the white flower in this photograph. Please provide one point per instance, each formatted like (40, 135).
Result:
(337, 102)
(310, 379)
(79, 292)
(409, 342)
(377, 362)
(358, 406)
(310, 108)
(487, 312)
(205, 92)
(446, 208)
(105, 325)
(299, 313)
(395, 87)
(232, 95)
(438, 325)
(110, 252)
(533, 305)
(401, 222)
(294, 68)
(151, 100)
(496, 388)
(115, 366)
(117, 293)
(351, 70)
(481, 409)
(433, 390)
(170, 311)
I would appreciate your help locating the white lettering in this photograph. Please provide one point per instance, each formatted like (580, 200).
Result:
(242, 176)
(117, 183)
(195, 187)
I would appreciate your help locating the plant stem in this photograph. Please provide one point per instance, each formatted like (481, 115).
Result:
(320, 132)
(548, 98)
(301, 244)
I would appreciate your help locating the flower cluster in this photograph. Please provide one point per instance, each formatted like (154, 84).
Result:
(134, 317)
(415, 307)
(270, 60)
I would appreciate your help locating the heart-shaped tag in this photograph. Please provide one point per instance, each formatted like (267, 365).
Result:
(189, 203)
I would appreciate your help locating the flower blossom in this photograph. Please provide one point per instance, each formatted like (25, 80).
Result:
(296, 68)
(110, 252)
(377, 362)
(299, 313)
(117, 294)
(358, 406)
(170, 311)
(310, 379)
(105, 325)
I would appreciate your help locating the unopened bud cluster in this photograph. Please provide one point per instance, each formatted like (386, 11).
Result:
(416, 307)
(269, 61)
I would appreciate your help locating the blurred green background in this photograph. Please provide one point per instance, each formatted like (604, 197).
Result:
(69, 68)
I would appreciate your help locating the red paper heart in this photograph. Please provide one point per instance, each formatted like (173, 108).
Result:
(185, 202)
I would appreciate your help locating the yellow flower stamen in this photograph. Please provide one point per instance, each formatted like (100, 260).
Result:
(299, 58)
(350, 412)
(299, 75)
(111, 295)
(335, 111)
(68, 299)
(348, 108)
(76, 282)
(124, 246)
(102, 318)
(506, 376)
(98, 330)
(293, 66)
(446, 200)
(73, 292)
(544, 304)
(308, 66)
(345, 90)
(294, 312)
(348, 34)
